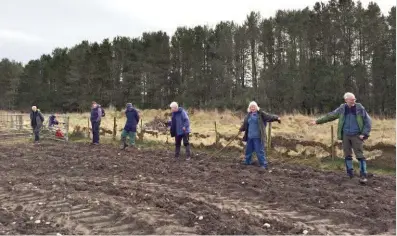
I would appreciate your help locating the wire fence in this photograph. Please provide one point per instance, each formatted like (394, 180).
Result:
(12, 124)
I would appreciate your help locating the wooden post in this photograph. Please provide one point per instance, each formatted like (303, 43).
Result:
(269, 137)
(141, 133)
(20, 124)
(88, 128)
(332, 143)
(67, 128)
(216, 135)
(114, 128)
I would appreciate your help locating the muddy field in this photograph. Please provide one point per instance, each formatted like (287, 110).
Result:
(81, 189)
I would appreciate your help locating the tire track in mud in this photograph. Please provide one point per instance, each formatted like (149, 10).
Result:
(81, 215)
(92, 190)
(292, 221)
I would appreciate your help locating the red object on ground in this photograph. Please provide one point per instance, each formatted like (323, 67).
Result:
(59, 134)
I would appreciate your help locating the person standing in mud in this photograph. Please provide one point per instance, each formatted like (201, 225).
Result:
(130, 126)
(254, 128)
(96, 115)
(354, 126)
(180, 129)
(36, 122)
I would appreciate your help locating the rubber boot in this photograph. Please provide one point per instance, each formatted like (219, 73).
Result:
(188, 152)
(124, 144)
(363, 170)
(349, 166)
(177, 151)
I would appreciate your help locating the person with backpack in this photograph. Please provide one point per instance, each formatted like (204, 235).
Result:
(36, 122)
(254, 128)
(130, 126)
(102, 110)
(96, 115)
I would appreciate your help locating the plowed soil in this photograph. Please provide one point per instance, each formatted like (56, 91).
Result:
(71, 188)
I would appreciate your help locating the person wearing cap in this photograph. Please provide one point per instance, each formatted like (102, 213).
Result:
(96, 115)
(354, 126)
(130, 126)
(180, 129)
(36, 122)
(254, 128)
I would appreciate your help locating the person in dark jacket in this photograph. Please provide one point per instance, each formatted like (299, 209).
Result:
(36, 122)
(52, 121)
(180, 129)
(130, 126)
(254, 126)
(354, 126)
(96, 115)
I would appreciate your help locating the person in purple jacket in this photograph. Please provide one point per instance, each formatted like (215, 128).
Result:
(180, 129)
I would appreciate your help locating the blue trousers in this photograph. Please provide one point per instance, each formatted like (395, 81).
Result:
(255, 145)
(95, 131)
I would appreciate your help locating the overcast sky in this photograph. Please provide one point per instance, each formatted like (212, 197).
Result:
(30, 28)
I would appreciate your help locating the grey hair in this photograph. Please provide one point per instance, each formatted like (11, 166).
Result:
(253, 103)
(174, 105)
(349, 95)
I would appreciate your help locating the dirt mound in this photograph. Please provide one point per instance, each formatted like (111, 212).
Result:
(82, 189)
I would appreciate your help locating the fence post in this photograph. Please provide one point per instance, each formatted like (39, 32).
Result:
(332, 143)
(114, 128)
(216, 135)
(140, 135)
(269, 137)
(88, 128)
(67, 128)
(20, 122)
(12, 122)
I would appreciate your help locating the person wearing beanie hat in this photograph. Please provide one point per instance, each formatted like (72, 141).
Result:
(130, 126)
(254, 126)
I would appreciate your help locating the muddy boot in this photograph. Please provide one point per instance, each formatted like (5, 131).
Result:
(363, 170)
(349, 166)
(124, 144)
(363, 178)
(177, 151)
(188, 152)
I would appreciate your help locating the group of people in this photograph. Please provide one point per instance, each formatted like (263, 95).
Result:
(37, 121)
(354, 127)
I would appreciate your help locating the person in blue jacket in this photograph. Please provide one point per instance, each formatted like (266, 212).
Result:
(180, 129)
(96, 116)
(130, 126)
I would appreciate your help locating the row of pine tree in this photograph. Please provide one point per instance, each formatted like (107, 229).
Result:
(297, 61)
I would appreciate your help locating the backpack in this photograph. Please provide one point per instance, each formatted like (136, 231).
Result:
(103, 112)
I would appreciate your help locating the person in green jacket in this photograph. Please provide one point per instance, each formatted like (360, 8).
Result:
(354, 127)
